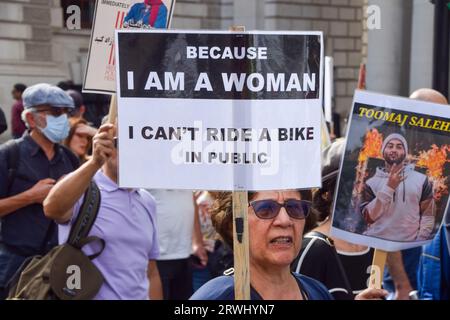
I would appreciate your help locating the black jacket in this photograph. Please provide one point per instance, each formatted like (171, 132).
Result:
(3, 124)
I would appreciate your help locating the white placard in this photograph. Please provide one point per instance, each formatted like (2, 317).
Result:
(219, 110)
(116, 14)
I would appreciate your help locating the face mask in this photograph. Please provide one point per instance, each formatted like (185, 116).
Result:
(57, 128)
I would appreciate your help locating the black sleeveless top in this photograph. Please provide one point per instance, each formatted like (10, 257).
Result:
(344, 274)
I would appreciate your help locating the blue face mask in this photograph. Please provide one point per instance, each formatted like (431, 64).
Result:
(57, 128)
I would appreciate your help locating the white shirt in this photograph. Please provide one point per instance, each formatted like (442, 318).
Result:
(175, 215)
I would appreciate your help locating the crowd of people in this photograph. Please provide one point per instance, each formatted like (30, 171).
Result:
(176, 245)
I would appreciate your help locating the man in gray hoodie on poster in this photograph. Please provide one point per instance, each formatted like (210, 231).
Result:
(398, 201)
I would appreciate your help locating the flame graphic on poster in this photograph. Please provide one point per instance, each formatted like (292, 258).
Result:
(434, 160)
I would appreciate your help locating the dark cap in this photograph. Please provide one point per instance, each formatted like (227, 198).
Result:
(77, 98)
(46, 94)
(331, 159)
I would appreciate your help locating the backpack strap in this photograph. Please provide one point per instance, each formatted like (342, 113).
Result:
(86, 216)
(91, 239)
(12, 160)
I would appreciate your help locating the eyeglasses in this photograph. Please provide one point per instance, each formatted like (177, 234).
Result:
(56, 112)
(269, 209)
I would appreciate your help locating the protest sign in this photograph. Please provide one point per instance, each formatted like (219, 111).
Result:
(219, 110)
(116, 14)
(394, 179)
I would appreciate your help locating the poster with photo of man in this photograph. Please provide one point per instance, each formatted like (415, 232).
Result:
(393, 188)
(100, 74)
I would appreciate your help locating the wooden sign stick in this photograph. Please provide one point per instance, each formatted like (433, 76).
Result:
(240, 246)
(240, 236)
(112, 115)
(362, 77)
(377, 269)
(379, 256)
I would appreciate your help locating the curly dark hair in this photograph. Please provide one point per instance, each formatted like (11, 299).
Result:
(322, 200)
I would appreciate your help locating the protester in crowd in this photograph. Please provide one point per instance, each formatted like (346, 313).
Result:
(433, 281)
(79, 140)
(341, 266)
(220, 256)
(202, 273)
(89, 106)
(66, 85)
(147, 14)
(179, 235)
(29, 167)
(126, 221)
(429, 95)
(17, 125)
(276, 221)
(3, 123)
(80, 108)
(401, 273)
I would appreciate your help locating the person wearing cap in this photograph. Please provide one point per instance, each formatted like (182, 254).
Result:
(398, 202)
(80, 108)
(39, 162)
(340, 265)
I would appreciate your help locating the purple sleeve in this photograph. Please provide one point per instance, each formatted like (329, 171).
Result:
(75, 211)
(154, 251)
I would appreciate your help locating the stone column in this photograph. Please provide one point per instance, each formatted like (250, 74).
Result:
(389, 48)
(421, 45)
(248, 13)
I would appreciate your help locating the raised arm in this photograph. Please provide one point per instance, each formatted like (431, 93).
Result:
(398, 273)
(63, 196)
(35, 194)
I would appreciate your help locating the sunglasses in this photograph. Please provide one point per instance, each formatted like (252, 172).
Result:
(269, 209)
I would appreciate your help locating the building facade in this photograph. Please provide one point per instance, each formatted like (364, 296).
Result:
(36, 46)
